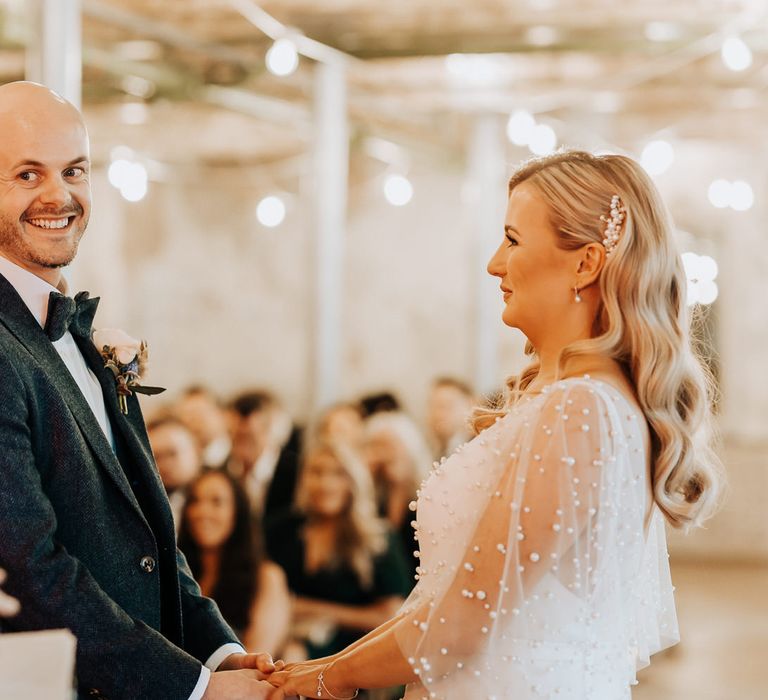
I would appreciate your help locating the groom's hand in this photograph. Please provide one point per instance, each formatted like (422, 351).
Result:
(237, 685)
(261, 663)
(8, 606)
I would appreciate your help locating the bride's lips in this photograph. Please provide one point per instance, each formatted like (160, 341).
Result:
(507, 292)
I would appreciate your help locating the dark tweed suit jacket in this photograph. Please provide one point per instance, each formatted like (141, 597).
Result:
(86, 533)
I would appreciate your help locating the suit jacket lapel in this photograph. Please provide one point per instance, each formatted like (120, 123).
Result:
(131, 427)
(15, 315)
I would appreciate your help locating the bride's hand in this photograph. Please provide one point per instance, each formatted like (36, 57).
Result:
(303, 679)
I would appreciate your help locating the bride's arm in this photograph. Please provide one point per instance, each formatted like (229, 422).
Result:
(372, 635)
(373, 662)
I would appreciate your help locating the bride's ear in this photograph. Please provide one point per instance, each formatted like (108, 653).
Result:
(590, 263)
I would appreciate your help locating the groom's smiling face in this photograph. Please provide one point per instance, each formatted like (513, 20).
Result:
(45, 198)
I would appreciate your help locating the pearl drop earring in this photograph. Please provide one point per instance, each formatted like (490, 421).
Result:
(577, 298)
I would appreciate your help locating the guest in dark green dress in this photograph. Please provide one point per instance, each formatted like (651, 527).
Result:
(224, 550)
(343, 565)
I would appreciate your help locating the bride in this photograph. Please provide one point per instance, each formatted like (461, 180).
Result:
(543, 560)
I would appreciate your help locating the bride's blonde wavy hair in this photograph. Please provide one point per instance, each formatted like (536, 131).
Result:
(642, 322)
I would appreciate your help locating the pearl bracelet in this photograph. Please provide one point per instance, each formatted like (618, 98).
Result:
(322, 690)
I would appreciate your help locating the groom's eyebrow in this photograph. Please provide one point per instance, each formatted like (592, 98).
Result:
(38, 164)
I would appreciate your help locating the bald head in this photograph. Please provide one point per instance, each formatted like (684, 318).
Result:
(30, 105)
(44, 178)
(26, 89)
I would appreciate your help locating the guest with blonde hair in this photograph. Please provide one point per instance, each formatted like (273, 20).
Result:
(399, 458)
(343, 566)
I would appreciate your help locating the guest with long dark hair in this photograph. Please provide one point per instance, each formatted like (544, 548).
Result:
(224, 551)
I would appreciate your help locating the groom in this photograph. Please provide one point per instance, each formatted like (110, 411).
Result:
(86, 534)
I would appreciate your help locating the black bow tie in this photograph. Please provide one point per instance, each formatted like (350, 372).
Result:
(67, 314)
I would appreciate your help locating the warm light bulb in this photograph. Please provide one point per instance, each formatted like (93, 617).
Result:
(282, 58)
(700, 273)
(543, 140)
(736, 55)
(707, 267)
(719, 193)
(707, 292)
(135, 182)
(398, 190)
(742, 196)
(520, 127)
(271, 211)
(657, 157)
(118, 171)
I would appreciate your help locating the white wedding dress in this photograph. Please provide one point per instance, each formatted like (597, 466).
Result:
(541, 576)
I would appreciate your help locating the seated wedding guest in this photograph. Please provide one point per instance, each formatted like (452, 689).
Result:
(265, 452)
(223, 548)
(8, 606)
(399, 459)
(449, 407)
(344, 567)
(200, 410)
(178, 460)
(378, 402)
(341, 422)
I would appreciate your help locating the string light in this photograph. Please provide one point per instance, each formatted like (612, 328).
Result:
(736, 55)
(700, 271)
(130, 177)
(398, 190)
(520, 127)
(657, 157)
(737, 195)
(282, 58)
(270, 211)
(543, 140)
(742, 196)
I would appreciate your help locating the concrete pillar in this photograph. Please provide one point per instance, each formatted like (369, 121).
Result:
(55, 52)
(330, 182)
(486, 201)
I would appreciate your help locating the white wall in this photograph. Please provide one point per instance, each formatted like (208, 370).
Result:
(227, 302)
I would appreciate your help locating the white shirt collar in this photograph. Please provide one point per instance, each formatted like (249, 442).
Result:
(33, 290)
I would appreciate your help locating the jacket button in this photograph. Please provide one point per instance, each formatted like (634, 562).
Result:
(96, 694)
(147, 564)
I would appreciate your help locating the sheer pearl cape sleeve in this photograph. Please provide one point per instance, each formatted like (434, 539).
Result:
(536, 569)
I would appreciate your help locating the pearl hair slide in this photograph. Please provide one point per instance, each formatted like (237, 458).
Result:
(613, 224)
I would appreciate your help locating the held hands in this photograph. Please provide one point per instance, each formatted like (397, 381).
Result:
(309, 680)
(261, 663)
(241, 677)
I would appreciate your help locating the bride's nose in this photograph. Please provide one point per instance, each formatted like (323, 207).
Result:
(497, 265)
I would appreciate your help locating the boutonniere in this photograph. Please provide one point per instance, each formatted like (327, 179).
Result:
(126, 358)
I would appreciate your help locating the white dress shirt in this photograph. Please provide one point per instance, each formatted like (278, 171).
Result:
(35, 293)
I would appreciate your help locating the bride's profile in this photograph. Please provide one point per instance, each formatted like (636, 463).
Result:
(543, 559)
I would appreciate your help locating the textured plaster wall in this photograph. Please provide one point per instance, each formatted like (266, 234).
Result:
(230, 303)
